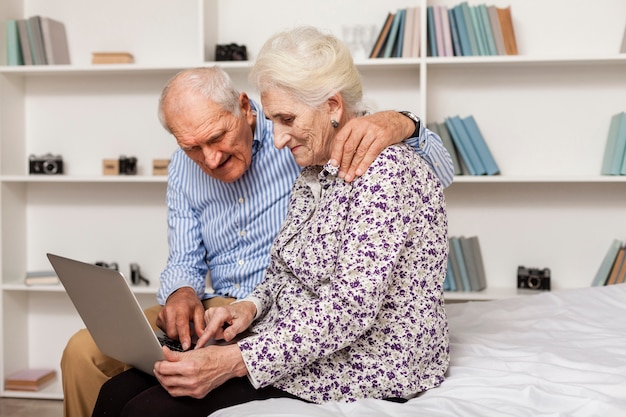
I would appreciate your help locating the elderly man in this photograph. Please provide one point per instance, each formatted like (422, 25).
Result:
(227, 196)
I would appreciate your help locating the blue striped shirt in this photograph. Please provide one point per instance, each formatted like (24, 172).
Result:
(228, 228)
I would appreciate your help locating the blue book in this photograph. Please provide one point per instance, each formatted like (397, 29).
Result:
(458, 252)
(432, 38)
(478, 31)
(449, 284)
(393, 36)
(471, 32)
(459, 19)
(14, 50)
(400, 38)
(491, 168)
(463, 143)
(454, 33)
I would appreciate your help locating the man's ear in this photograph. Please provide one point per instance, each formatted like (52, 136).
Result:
(335, 106)
(245, 107)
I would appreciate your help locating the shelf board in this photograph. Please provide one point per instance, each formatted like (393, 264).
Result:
(152, 290)
(479, 179)
(84, 179)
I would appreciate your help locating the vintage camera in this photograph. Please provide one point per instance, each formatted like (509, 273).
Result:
(533, 278)
(127, 165)
(47, 164)
(109, 265)
(135, 275)
(231, 52)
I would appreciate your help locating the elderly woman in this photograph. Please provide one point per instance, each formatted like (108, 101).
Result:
(351, 305)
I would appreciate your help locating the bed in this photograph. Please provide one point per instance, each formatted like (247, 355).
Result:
(560, 353)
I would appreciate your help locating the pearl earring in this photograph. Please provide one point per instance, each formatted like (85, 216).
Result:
(334, 123)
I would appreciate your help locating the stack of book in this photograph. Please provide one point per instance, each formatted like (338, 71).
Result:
(613, 267)
(29, 379)
(37, 40)
(466, 271)
(614, 161)
(466, 145)
(399, 36)
(465, 30)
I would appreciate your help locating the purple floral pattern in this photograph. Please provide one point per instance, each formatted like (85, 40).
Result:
(352, 302)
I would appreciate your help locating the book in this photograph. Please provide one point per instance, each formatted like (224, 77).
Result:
(463, 143)
(14, 50)
(54, 42)
(454, 33)
(417, 41)
(623, 47)
(437, 24)
(460, 258)
(508, 32)
(470, 263)
(611, 144)
(450, 277)
(409, 33)
(471, 32)
(445, 30)
(491, 168)
(490, 41)
(41, 278)
(459, 19)
(496, 30)
(607, 263)
(617, 265)
(474, 245)
(33, 24)
(112, 58)
(382, 36)
(27, 54)
(478, 31)
(444, 134)
(29, 379)
(454, 265)
(399, 44)
(432, 31)
(619, 152)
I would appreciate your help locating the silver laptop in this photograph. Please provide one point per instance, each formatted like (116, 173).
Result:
(111, 313)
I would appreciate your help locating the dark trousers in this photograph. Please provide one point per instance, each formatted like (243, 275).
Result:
(136, 394)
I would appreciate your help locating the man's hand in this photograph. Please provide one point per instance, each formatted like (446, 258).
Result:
(182, 308)
(362, 139)
(197, 372)
(226, 322)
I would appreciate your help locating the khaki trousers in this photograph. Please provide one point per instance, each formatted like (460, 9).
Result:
(84, 369)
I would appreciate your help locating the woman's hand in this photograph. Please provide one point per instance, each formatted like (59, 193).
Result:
(226, 322)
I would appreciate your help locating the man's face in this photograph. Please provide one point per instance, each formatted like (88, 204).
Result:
(215, 139)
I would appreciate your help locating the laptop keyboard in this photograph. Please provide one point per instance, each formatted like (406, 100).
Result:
(172, 344)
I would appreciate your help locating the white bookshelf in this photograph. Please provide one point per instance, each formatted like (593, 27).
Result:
(544, 113)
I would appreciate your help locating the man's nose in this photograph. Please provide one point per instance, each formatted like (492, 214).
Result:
(211, 157)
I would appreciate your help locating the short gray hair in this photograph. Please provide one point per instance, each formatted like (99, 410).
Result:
(311, 65)
(213, 83)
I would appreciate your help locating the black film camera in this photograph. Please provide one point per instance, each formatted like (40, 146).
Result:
(109, 265)
(47, 164)
(533, 278)
(128, 165)
(135, 275)
(231, 52)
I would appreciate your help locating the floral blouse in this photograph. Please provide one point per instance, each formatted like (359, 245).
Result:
(352, 303)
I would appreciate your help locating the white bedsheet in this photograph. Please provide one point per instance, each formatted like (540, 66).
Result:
(553, 354)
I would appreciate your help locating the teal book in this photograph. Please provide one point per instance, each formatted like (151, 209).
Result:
(487, 29)
(27, 55)
(393, 36)
(607, 264)
(399, 46)
(491, 168)
(478, 31)
(620, 146)
(432, 37)
(449, 284)
(460, 259)
(454, 33)
(459, 19)
(611, 140)
(463, 143)
(471, 32)
(14, 50)
(35, 39)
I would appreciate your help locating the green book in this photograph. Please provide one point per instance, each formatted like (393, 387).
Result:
(607, 263)
(613, 160)
(14, 51)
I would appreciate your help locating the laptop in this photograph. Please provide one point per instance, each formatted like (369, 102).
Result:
(111, 313)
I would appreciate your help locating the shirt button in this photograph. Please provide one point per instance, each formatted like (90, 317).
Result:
(240, 200)
(240, 262)
(422, 145)
(242, 233)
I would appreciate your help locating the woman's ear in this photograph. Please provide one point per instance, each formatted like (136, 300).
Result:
(335, 106)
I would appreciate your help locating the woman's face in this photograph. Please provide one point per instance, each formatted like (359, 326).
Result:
(306, 131)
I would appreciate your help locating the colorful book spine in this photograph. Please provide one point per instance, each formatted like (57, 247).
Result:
(432, 35)
(491, 168)
(463, 143)
(14, 50)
